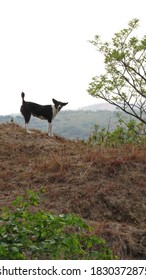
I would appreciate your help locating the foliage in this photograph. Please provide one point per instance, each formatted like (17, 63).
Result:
(29, 233)
(126, 132)
(124, 81)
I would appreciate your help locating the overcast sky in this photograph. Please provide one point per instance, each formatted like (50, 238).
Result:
(44, 48)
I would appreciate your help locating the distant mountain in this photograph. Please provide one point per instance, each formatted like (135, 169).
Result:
(99, 107)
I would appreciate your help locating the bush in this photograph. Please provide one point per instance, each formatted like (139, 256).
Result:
(126, 132)
(29, 233)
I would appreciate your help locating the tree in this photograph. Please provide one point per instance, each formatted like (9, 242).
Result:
(123, 83)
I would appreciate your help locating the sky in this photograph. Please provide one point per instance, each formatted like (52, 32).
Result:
(45, 50)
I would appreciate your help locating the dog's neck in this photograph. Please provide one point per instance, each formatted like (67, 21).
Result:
(54, 111)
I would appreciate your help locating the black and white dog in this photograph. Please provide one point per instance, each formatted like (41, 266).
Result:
(44, 112)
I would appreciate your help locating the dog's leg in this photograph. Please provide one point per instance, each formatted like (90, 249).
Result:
(50, 129)
(27, 129)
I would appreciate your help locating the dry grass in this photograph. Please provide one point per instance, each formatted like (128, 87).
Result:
(106, 186)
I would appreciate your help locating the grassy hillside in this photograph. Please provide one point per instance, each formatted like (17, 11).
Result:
(105, 186)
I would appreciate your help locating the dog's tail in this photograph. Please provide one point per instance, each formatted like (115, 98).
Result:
(22, 95)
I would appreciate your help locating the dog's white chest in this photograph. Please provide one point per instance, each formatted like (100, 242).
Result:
(54, 112)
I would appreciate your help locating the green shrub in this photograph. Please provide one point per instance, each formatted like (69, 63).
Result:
(29, 233)
(126, 132)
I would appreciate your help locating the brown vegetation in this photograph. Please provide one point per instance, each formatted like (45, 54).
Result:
(105, 186)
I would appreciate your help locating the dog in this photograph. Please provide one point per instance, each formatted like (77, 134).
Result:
(44, 112)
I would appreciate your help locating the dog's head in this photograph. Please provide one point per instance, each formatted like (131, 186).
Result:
(59, 104)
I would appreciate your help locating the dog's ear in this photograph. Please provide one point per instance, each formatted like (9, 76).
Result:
(54, 100)
(64, 103)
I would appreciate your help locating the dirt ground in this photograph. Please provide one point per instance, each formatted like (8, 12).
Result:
(105, 186)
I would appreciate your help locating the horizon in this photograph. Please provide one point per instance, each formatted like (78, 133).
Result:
(84, 108)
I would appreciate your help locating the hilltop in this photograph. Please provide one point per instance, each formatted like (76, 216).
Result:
(73, 124)
(105, 186)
